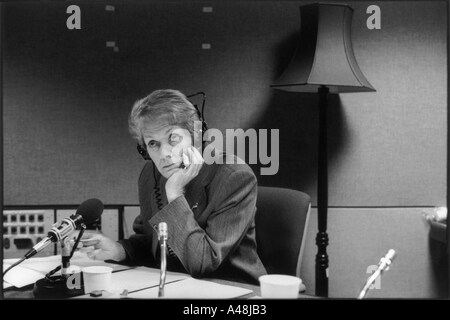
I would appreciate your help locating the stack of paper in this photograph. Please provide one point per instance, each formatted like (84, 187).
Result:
(193, 289)
(143, 283)
(33, 269)
(20, 276)
(141, 278)
(136, 279)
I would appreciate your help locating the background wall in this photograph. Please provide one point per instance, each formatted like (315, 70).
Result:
(67, 97)
(360, 237)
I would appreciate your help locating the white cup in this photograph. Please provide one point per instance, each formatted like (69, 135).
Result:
(279, 286)
(96, 278)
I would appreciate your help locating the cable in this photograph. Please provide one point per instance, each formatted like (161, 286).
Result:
(203, 108)
(200, 114)
(13, 265)
(52, 272)
(159, 203)
(157, 190)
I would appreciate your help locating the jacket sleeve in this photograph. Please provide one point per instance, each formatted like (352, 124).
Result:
(232, 196)
(138, 246)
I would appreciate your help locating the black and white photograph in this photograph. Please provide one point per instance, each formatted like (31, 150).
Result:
(224, 155)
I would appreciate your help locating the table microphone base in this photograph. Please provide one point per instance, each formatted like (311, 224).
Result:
(55, 288)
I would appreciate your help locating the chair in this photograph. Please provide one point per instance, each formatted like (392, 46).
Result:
(281, 219)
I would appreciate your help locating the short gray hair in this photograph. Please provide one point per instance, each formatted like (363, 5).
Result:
(167, 105)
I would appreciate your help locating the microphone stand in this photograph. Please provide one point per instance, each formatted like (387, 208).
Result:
(384, 264)
(368, 284)
(52, 287)
(162, 228)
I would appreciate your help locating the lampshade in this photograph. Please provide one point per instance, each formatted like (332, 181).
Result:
(324, 55)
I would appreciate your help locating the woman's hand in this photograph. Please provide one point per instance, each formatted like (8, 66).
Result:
(193, 161)
(104, 247)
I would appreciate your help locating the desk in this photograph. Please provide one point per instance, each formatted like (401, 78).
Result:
(27, 292)
(16, 293)
(140, 282)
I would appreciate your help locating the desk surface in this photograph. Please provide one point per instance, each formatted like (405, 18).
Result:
(27, 292)
(137, 281)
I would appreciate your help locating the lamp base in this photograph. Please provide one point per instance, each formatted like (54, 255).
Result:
(55, 288)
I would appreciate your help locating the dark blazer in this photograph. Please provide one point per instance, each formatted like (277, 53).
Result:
(211, 227)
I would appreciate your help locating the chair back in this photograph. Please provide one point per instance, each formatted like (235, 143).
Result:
(281, 219)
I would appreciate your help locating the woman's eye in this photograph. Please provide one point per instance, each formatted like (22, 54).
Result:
(175, 138)
(152, 144)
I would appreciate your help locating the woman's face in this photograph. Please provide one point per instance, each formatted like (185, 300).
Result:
(165, 144)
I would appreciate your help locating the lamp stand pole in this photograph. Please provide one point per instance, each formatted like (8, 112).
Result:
(322, 198)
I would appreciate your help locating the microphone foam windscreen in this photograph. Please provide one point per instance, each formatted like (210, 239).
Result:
(90, 210)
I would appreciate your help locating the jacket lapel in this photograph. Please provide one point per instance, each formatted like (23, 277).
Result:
(195, 195)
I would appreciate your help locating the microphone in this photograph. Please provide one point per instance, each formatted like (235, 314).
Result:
(383, 265)
(162, 237)
(89, 211)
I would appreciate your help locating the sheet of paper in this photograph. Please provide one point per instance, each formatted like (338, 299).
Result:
(7, 285)
(20, 277)
(136, 279)
(140, 278)
(33, 269)
(191, 288)
(40, 264)
(45, 264)
(81, 259)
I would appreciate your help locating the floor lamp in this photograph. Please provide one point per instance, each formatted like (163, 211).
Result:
(323, 63)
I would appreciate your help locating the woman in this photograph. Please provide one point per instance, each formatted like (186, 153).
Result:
(209, 207)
